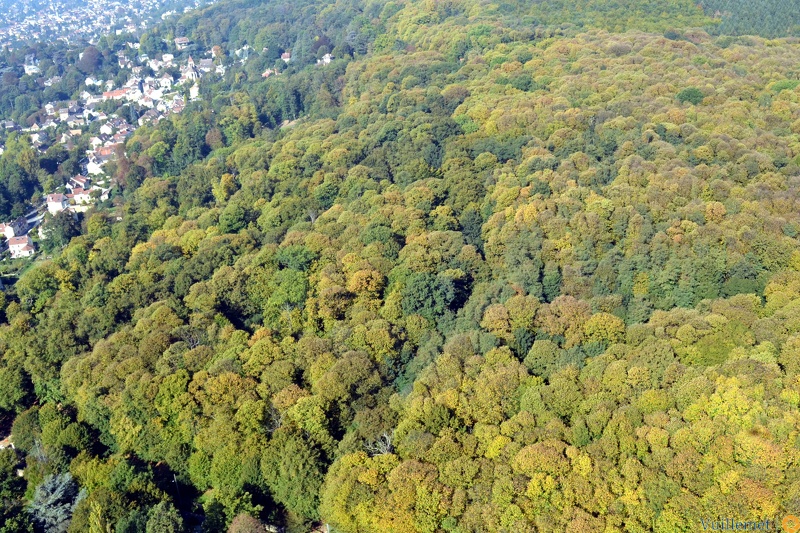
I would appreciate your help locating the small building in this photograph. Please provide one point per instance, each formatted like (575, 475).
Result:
(56, 203)
(79, 182)
(182, 42)
(118, 94)
(14, 229)
(286, 56)
(81, 196)
(326, 60)
(150, 116)
(95, 165)
(21, 246)
(165, 82)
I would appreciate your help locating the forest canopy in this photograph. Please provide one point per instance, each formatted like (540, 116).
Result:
(497, 267)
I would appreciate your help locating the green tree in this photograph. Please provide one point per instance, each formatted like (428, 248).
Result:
(164, 518)
(293, 471)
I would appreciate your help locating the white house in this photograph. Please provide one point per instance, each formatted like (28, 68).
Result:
(14, 229)
(95, 165)
(56, 203)
(21, 246)
(81, 196)
(78, 182)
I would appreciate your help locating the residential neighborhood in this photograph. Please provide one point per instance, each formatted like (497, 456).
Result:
(151, 98)
(155, 88)
(24, 21)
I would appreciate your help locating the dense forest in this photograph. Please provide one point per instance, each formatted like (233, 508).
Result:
(489, 270)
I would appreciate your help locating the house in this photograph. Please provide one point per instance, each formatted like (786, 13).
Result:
(10, 125)
(149, 116)
(270, 72)
(56, 203)
(118, 94)
(243, 52)
(206, 65)
(95, 164)
(21, 246)
(326, 60)
(286, 56)
(81, 196)
(14, 229)
(120, 123)
(50, 109)
(107, 151)
(182, 42)
(106, 129)
(79, 182)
